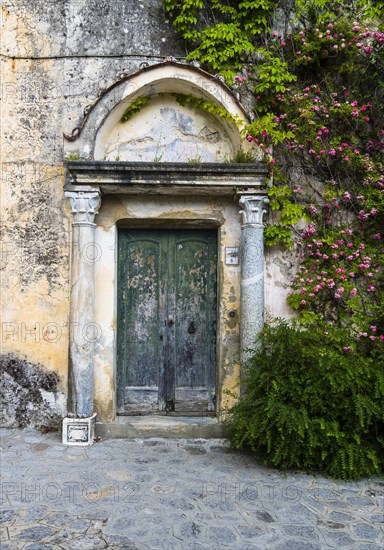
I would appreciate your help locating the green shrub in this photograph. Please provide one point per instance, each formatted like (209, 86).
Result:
(312, 403)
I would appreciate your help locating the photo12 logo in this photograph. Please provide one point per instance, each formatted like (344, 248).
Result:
(51, 332)
(251, 492)
(36, 491)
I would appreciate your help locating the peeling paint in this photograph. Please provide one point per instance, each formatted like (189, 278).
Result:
(150, 210)
(164, 131)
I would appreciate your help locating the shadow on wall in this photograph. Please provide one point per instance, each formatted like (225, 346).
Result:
(29, 395)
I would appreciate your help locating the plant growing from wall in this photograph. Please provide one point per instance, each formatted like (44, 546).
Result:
(205, 105)
(183, 100)
(135, 107)
(242, 157)
(72, 156)
(221, 34)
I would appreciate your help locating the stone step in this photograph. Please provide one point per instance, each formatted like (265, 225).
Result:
(171, 427)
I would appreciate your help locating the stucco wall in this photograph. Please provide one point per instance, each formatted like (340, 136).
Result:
(168, 132)
(58, 57)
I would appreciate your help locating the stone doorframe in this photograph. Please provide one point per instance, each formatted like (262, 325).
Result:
(87, 183)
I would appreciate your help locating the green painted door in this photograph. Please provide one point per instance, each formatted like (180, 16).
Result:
(166, 322)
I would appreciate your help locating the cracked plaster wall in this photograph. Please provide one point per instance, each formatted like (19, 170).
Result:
(57, 57)
(168, 132)
(55, 61)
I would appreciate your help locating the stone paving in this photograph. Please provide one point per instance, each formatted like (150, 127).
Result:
(173, 494)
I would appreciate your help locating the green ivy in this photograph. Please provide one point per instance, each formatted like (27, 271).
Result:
(290, 214)
(184, 16)
(135, 107)
(205, 105)
(221, 35)
(183, 100)
(272, 76)
(276, 234)
(255, 15)
(222, 48)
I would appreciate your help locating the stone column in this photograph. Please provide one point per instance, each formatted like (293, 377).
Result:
(78, 427)
(252, 270)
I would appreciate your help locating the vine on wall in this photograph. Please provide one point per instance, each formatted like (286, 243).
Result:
(135, 107)
(183, 100)
(220, 33)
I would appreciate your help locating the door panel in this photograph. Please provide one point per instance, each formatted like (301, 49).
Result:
(195, 265)
(139, 306)
(166, 335)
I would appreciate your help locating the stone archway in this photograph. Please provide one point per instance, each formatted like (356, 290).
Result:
(116, 169)
(88, 140)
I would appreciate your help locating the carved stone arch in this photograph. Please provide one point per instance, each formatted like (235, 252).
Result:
(101, 135)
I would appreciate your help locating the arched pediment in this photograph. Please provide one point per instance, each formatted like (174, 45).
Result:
(160, 125)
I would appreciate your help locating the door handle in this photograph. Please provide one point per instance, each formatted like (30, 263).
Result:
(192, 329)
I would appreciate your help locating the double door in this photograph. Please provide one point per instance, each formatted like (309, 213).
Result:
(166, 321)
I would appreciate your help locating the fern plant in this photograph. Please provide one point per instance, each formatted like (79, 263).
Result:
(309, 404)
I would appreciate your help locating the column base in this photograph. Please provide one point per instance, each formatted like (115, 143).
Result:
(79, 431)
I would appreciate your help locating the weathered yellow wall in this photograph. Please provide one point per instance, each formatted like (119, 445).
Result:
(34, 264)
(57, 59)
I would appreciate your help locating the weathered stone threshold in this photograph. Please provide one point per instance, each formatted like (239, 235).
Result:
(170, 427)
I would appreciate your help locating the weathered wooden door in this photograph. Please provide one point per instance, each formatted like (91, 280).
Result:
(166, 331)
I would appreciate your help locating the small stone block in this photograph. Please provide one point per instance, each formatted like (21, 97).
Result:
(79, 431)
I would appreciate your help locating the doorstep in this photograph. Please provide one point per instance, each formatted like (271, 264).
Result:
(171, 427)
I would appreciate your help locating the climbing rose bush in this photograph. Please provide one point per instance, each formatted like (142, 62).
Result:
(328, 122)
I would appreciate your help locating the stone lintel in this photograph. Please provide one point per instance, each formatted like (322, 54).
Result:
(167, 178)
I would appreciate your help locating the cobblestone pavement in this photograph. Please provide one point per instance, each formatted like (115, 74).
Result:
(173, 494)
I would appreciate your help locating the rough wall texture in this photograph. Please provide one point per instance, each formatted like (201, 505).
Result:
(167, 132)
(28, 395)
(57, 58)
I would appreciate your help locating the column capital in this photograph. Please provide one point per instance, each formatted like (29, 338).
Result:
(253, 209)
(84, 204)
